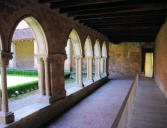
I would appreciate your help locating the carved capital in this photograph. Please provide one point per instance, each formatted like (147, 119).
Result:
(5, 57)
(57, 57)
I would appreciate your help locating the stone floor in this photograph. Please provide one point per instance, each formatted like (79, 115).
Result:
(97, 110)
(150, 108)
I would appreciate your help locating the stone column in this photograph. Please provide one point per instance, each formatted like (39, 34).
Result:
(57, 76)
(12, 63)
(105, 66)
(97, 68)
(68, 61)
(41, 76)
(5, 115)
(89, 69)
(79, 79)
(47, 78)
(102, 66)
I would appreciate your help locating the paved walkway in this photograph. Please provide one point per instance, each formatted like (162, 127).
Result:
(150, 109)
(97, 110)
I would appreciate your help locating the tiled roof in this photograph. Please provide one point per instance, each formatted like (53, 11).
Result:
(23, 34)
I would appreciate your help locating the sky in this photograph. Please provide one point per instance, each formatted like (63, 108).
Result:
(22, 25)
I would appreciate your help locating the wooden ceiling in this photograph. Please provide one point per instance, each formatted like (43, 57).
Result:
(119, 20)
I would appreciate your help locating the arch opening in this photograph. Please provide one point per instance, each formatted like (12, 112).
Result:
(88, 60)
(27, 67)
(73, 63)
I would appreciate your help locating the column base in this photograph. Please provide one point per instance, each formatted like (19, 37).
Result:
(46, 99)
(79, 85)
(89, 81)
(97, 78)
(6, 117)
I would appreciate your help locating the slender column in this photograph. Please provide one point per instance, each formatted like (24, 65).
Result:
(105, 66)
(97, 63)
(12, 63)
(89, 70)
(79, 80)
(5, 115)
(4, 88)
(76, 71)
(47, 82)
(102, 66)
(41, 76)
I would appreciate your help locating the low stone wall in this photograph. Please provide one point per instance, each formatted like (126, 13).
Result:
(50, 112)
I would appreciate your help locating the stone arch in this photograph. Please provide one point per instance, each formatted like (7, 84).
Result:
(97, 51)
(104, 50)
(89, 58)
(88, 47)
(41, 53)
(104, 59)
(76, 43)
(38, 32)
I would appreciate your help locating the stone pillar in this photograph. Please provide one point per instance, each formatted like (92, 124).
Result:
(97, 68)
(57, 76)
(105, 66)
(47, 78)
(5, 115)
(12, 63)
(102, 66)
(41, 76)
(68, 61)
(79, 79)
(89, 69)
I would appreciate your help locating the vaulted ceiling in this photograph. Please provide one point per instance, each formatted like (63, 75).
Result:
(119, 20)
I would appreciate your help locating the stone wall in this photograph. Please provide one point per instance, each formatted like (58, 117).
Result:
(160, 62)
(24, 51)
(125, 59)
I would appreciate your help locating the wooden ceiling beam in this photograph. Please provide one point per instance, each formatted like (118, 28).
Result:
(74, 3)
(161, 13)
(125, 19)
(119, 11)
(115, 10)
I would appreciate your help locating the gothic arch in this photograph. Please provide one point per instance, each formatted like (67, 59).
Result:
(76, 43)
(42, 45)
(88, 47)
(104, 50)
(97, 51)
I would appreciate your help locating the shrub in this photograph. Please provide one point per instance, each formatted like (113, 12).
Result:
(22, 73)
(67, 75)
(22, 88)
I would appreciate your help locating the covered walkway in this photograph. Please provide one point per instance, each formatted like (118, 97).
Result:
(100, 109)
(150, 108)
(97, 110)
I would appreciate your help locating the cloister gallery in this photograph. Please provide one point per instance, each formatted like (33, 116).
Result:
(118, 45)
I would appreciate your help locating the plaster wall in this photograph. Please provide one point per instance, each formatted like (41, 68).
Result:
(160, 58)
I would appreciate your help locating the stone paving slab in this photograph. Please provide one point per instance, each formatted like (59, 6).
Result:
(97, 110)
(150, 108)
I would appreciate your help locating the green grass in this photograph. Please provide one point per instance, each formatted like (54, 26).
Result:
(25, 87)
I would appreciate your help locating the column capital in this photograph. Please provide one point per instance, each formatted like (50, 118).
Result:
(5, 57)
(89, 57)
(78, 57)
(97, 57)
(57, 56)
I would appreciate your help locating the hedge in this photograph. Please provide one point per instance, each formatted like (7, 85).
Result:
(25, 87)
(22, 88)
(22, 73)
(31, 73)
